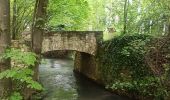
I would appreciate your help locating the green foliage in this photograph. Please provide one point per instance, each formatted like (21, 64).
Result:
(21, 72)
(22, 17)
(16, 96)
(147, 87)
(18, 56)
(72, 14)
(124, 67)
(24, 75)
(97, 19)
(125, 53)
(143, 16)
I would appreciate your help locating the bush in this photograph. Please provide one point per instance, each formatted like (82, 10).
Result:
(21, 73)
(125, 54)
(124, 66)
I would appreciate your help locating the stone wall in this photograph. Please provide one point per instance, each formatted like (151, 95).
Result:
(87, 65)
(86, 44)
(82, 41)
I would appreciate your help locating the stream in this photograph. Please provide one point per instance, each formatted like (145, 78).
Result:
(61, 83)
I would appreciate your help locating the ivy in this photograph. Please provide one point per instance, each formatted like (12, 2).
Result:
(124, 53)
(148, 86)
(124, 67)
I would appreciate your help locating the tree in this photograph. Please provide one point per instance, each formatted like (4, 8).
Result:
(38, 28)
(125, 15)
(97, 19)
(21, 19)
(72, 14)
(14, 19)
(5, 84)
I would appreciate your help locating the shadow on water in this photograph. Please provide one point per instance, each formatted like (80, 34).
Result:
(89, 90)
(60, 83)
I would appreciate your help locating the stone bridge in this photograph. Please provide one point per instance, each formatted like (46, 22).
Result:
(87, 47)
(82, 41)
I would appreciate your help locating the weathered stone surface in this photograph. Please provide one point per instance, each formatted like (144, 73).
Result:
(87, 65)
(82, 41)
(85, 43)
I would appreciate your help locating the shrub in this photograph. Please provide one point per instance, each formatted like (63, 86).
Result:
(125, 54)
(126, 66)
(21, 72)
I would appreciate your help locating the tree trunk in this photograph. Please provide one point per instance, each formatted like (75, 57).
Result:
(38, 29)
(5, 84)
(38, 25)
(14, 19)
(168, 29)
(125, 16)
(39, 18)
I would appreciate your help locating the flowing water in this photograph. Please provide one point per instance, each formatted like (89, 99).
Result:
(61, 83)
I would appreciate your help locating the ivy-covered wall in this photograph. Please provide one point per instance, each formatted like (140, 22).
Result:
(136, 65)
(127, 65)
(123, 58)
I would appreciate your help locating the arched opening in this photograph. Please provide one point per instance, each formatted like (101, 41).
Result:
(60, 81)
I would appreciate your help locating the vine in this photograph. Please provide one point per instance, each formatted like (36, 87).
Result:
(125, 67)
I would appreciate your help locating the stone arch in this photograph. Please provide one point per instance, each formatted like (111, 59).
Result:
(84, 63)
(82, 41)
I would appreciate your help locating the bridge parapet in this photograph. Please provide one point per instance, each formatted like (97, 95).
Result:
(82, 41)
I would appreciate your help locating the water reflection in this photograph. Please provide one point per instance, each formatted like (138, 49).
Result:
(61, 83)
